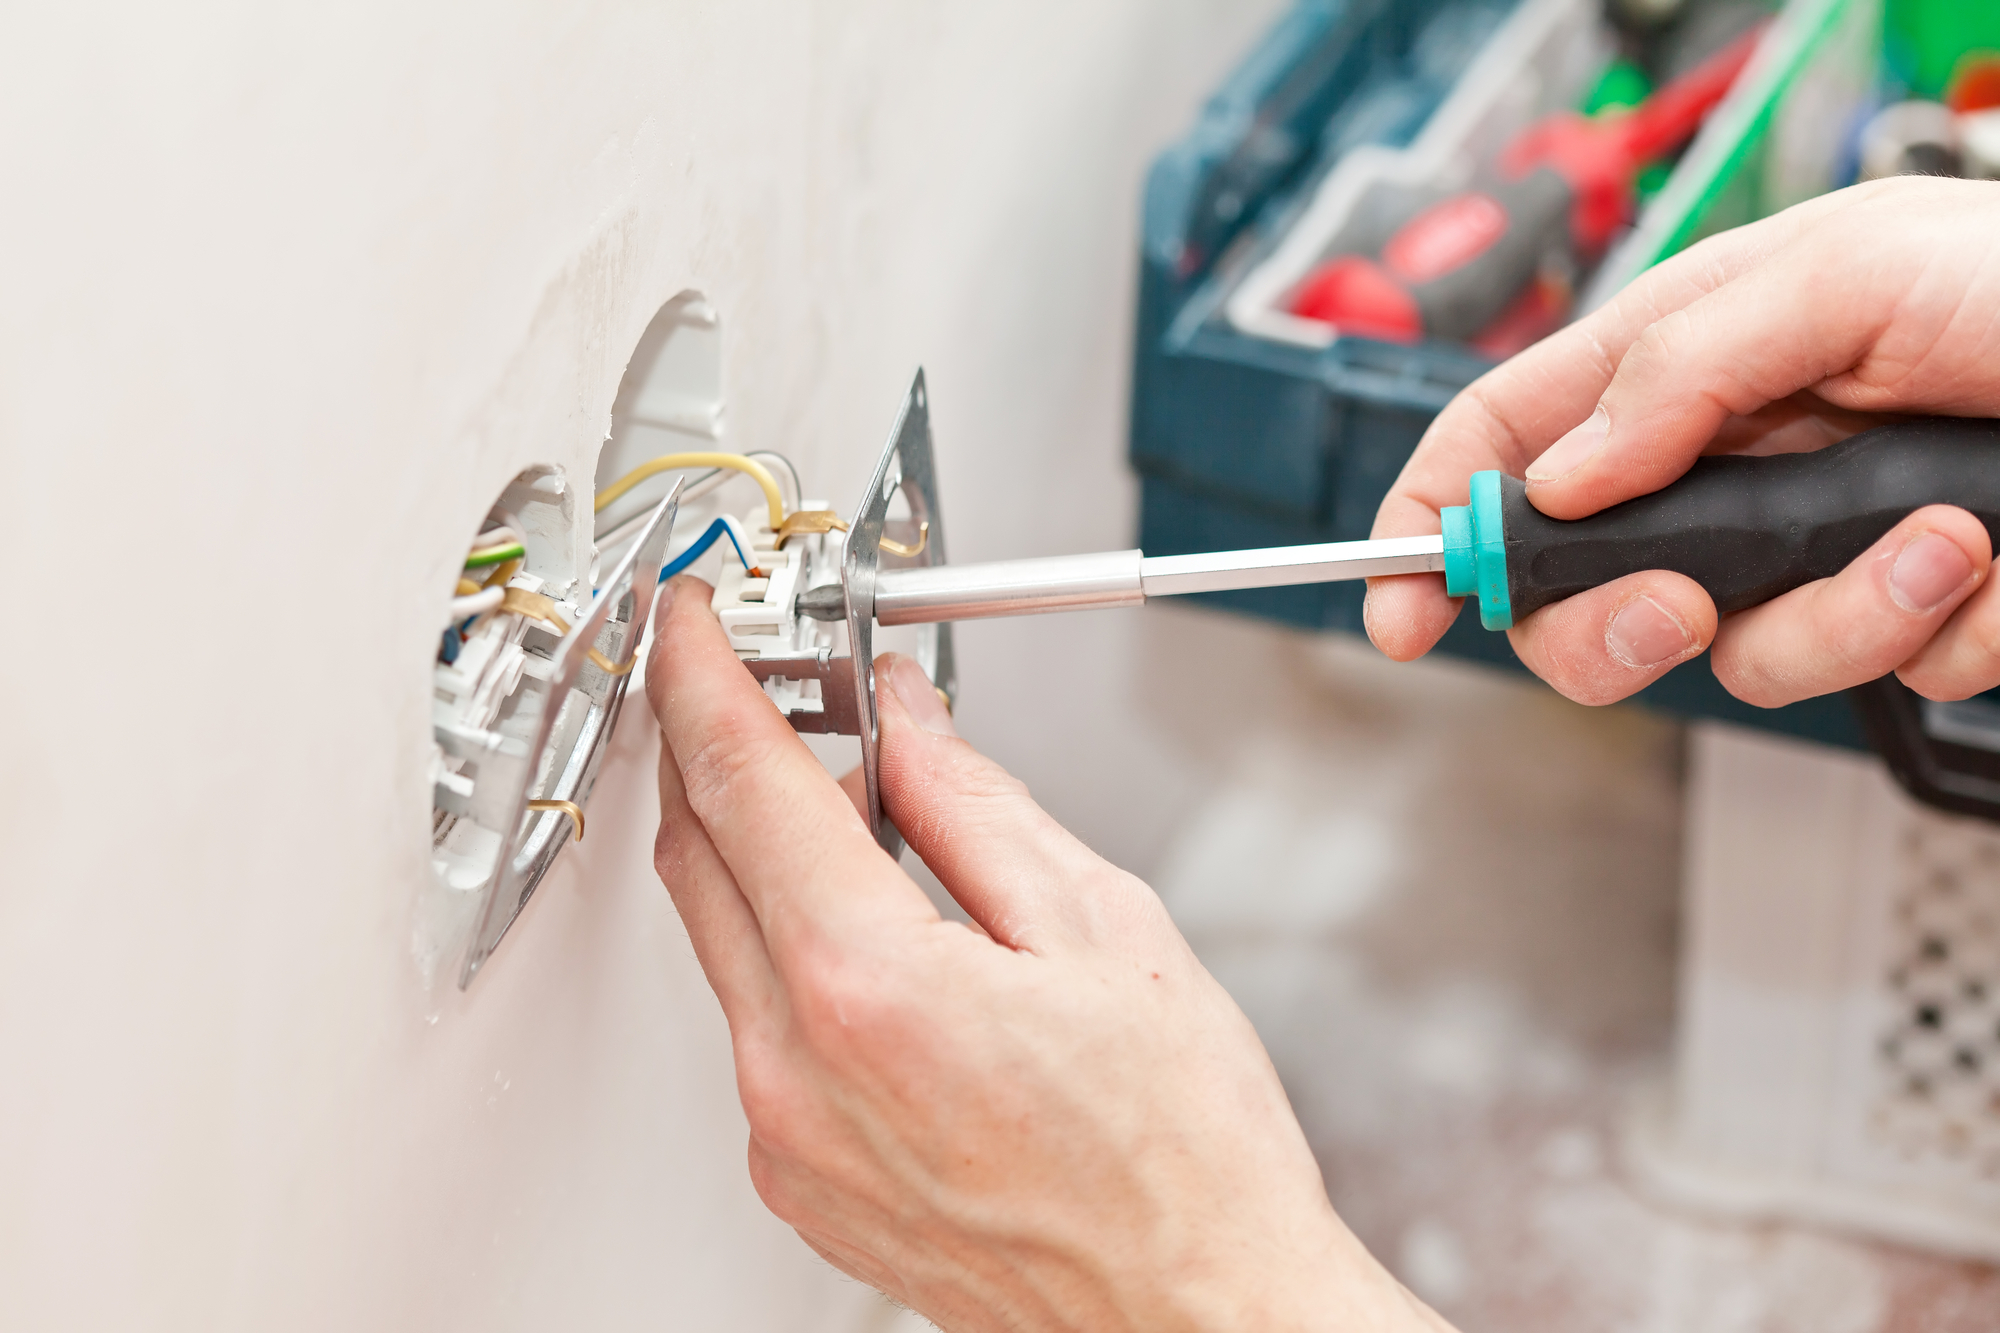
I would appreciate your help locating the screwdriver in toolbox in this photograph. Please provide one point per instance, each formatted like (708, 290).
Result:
(1745, 528)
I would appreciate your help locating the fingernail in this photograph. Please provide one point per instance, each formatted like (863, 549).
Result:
(664, 602)
(920, 697)
(1645, 634)
(1930, 569)
(1573, 450)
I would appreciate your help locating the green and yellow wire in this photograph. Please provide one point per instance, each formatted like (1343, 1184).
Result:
(481, 558)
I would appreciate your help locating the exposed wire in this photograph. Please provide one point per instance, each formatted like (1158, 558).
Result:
(724, 526)
(494, 555)
(773, 497)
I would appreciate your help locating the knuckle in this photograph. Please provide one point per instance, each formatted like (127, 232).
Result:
(1749, 680)
(773, 1099)
(1491, 421)
(1855, 647)
(773, 1182)
(1659, 343)
(668, 857)
(978, 778)
(963, 791)
(1565, 646)
(842, 995)
(711, 769)
(1982, 645)
(1850, 651)
(1117, 905)
(1965, 663)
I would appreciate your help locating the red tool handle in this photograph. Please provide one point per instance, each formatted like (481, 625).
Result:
(1455, 267)
(1601, 156)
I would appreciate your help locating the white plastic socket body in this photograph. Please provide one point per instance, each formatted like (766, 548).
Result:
(525, 696)
(487, 704)
(760, 616)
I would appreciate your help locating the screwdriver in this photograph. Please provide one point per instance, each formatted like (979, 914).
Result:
(1746, 529)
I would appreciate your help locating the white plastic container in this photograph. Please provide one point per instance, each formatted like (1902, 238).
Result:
(1839, 1042)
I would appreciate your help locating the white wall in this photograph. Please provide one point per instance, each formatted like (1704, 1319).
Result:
(289, 292)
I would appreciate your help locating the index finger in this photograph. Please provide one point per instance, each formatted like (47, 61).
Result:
(1509, 416)
(800, 853)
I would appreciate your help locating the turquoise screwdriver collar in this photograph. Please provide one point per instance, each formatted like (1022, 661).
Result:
(1475, 552)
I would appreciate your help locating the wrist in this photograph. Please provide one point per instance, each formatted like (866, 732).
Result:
(1331, 1285)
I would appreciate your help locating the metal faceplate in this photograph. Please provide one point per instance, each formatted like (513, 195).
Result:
(580, 711)
(909, 465)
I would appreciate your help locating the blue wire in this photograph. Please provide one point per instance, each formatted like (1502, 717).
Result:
(719, 528)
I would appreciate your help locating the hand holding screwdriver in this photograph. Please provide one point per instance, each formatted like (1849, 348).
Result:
(950, 1115)
(1780, 337)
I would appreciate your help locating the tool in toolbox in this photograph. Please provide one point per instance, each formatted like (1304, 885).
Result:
(1745, 528)
(1450, 268)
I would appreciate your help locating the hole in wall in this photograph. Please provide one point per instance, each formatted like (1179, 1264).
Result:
(537, 648)
(489, 680)
(669, 402)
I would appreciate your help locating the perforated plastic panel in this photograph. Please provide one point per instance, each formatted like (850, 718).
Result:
(1940, 1095)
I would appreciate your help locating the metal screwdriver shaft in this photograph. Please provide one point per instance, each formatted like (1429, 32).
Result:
(1118, 578)
(1277, 566)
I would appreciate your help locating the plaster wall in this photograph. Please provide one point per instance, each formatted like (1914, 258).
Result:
(290, 293)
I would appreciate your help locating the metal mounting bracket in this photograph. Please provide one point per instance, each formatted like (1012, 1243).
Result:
(583, 701)
(908, 465)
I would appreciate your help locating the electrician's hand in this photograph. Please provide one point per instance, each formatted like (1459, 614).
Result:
(1782, 336)
(1056, 1121)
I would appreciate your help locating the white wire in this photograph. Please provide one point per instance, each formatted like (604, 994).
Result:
(500, 536)
(715, 478)
(473, 604)
(748, 551)
(791, 474)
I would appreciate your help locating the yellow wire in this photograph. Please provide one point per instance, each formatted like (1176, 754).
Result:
(755, 470)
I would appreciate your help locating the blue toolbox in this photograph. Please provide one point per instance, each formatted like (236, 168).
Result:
(1252, 426)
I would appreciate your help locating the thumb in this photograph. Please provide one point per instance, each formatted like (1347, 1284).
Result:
(1017, 872)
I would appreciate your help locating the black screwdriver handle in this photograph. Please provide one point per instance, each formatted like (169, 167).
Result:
(1748, 529)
